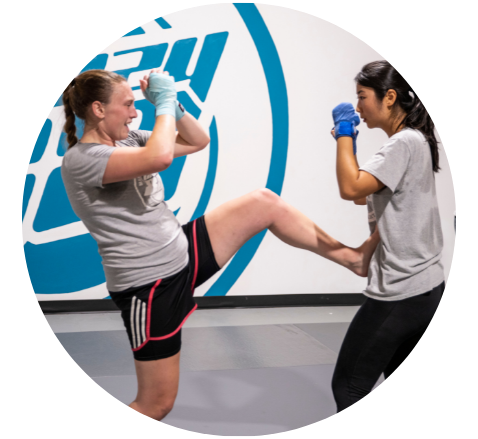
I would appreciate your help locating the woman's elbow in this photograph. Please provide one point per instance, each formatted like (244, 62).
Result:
(205, 142)
(346, 196)
(162, 162)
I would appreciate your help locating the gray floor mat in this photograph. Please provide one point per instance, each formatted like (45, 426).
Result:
(330, 334)
(248, 347)
(254, 402)
(107, 353)
(243, 402)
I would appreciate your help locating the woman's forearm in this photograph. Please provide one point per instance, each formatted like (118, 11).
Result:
(347, 167)
(192, 131)
(160, 145)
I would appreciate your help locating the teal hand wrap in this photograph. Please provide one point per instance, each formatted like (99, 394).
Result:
(180, 111)
(161, 92)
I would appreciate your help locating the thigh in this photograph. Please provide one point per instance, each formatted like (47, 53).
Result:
(382, 334)
(153, 315)
(368, 346)
(158, 380)
(421, 309)
(233, 223)
(373, 337)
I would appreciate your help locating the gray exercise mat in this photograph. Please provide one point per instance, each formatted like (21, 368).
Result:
(249, 347)
(330, 334)
(243, 402)
(107, 353)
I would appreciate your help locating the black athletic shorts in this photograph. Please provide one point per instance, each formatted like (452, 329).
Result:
(154, 313)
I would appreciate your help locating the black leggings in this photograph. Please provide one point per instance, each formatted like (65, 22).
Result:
(379, 338)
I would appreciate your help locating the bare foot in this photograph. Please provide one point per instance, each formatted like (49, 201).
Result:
(361, 256)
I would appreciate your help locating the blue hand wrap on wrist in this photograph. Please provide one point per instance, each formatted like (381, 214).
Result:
(166, 108)
(347, 129)
(346, 121)
(161, 92)
(180, 111)
(344, 128)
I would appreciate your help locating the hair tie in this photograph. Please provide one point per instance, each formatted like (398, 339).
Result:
(72, 83)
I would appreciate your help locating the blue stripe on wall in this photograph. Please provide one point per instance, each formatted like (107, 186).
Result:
(280, 136)
(28, 106)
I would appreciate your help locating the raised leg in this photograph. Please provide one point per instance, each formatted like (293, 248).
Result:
(232, 224)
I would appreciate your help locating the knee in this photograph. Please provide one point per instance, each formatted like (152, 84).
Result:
(266, 198)
(156, 410)
(159, 411)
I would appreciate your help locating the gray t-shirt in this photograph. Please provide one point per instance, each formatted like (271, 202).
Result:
(407, 261)
(139, 238)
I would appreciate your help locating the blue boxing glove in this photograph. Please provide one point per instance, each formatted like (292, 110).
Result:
(161, 92)
(346, 121)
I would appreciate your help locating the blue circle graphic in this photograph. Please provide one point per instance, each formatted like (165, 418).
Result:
(280, 136)
(73, 264)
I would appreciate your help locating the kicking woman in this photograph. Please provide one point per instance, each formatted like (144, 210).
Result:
(406, 277)
(152, 264)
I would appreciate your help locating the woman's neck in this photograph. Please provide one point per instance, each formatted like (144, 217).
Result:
(93, 134)
(394, 124)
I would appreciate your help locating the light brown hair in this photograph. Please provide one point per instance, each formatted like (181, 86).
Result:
(86, 88)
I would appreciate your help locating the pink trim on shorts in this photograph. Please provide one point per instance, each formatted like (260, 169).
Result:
(150, 306)
(140, 346)
(148, 317)
(151, 294)
(195, 256)
(178, 328)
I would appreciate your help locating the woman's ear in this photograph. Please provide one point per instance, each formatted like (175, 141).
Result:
(98, 109)
(390, 98)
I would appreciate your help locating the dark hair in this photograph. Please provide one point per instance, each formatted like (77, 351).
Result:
(381, 76)
(86, 88)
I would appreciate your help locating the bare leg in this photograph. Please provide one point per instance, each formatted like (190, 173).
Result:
(235, 222)
(158, 382)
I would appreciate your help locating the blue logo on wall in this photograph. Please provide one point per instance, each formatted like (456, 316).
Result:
(73, 264)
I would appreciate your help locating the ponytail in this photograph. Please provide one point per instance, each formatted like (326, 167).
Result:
(69, 127)
(419, 119)
(381, 76)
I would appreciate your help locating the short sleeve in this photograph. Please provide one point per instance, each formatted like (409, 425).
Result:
(86, 163)
(390, 163)
(137, 138)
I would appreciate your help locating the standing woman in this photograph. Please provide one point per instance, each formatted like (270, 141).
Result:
(152, 264)
(406, 277)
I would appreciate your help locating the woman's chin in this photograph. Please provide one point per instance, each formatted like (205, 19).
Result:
(125, 133)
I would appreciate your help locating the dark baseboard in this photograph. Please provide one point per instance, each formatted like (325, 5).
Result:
(219, 302)
(348, 299)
